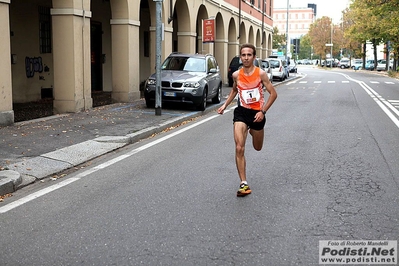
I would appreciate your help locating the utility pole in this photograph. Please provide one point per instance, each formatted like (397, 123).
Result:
(158, 53)
(332, 57)
(286, 32)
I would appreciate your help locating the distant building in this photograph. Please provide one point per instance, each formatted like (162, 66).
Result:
(299, 21)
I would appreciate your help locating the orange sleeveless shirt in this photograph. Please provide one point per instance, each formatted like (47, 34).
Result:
(250, 89)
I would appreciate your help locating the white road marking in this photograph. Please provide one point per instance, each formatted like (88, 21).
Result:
(35, 195)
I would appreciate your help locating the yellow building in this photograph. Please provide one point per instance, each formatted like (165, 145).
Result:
(67, 49)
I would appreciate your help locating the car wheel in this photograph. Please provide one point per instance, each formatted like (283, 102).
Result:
(202, 105)
(218, 96)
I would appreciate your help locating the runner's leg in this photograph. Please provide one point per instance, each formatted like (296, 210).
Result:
(240, 136)
(257, 138)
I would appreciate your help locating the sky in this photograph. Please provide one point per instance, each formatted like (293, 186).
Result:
(329, 8)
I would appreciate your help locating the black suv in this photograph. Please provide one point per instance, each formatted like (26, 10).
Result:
(192, 78)
(235, 64)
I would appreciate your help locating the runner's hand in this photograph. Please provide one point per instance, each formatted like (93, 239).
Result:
(221, 109)
(259, 117)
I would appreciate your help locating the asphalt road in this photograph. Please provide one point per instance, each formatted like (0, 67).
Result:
(328, 171)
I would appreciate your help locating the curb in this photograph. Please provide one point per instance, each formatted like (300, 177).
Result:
(9, 181)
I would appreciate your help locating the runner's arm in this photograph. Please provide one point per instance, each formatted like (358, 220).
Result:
(270, 89)
(232, 94)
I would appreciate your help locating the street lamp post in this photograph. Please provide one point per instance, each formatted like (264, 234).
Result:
(286, 31)
(331, 53)
(158, 53)
(331, 46)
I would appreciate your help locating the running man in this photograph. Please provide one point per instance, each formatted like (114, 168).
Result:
(249, 115)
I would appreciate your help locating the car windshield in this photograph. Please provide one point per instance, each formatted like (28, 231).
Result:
(184, 64)
(265, 64)
(274, 63)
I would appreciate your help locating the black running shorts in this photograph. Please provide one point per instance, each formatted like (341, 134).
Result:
(247, 116)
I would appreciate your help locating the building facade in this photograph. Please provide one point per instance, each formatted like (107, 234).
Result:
(66, 49)
(299, 21)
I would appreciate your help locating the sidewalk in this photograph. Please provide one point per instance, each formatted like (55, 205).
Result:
(36, 149)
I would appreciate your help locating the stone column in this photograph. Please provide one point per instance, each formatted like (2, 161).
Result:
(187, 41)
(221, 55)
(71, 50)
(6, 112)
(125, 60)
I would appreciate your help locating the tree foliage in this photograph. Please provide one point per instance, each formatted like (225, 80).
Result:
(279, 40)
(376, 21)
(321, 33)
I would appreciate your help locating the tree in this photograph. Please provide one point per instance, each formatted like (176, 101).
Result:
(320, 35)
(351, 45)
(306, 50)
(279, 40)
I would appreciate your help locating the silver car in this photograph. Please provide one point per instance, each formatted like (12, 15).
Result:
(191, 78)
(278, 68)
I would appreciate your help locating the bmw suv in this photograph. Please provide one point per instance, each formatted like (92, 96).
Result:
(189, 78)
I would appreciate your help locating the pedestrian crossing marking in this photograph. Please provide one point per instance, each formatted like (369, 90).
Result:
(389, 82)
(395, 103)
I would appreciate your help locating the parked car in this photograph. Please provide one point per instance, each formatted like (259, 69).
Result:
(369, 65)
(192, 78)
(267, 68)
(328, 62)
(344, 63)
(382, 63)
(234, 65)
(357, 64)
(278, 68)
(292, 67)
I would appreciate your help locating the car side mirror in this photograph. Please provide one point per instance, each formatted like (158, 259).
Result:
(213, 70)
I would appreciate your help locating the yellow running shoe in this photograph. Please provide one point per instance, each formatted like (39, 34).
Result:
(244, 190)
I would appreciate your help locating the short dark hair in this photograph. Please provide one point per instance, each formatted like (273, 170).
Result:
(248, 45)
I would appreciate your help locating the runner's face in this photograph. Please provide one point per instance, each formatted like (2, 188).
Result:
(247, 57)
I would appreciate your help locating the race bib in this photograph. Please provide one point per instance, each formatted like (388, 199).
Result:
(251, 96)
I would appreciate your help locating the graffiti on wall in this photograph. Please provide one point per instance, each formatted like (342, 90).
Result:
(32, 65)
